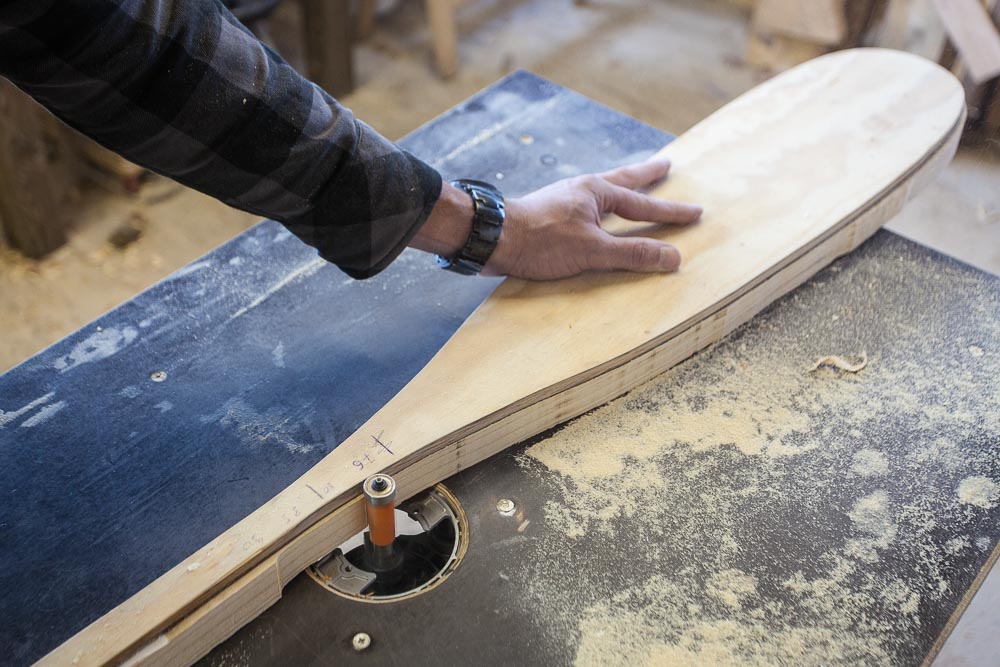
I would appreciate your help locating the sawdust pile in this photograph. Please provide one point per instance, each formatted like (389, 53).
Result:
(743, 510)
(979, 491)
(870, 463)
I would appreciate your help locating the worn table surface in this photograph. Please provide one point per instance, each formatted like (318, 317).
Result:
(737, 508)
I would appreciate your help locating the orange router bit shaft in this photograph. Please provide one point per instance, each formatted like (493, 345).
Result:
(382, 524)
(380, 506)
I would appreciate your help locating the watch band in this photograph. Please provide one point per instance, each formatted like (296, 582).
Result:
(488, 214)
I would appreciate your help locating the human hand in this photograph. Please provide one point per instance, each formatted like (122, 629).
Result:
(556, 231)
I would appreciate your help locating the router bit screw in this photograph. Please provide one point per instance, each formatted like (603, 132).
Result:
(361, 641)
(505, 506)
(379, 484)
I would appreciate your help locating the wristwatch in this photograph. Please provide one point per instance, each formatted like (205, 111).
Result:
(488, 214)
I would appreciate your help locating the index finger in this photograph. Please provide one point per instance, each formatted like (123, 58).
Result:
(640, 207)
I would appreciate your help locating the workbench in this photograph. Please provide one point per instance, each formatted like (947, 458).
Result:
(740, 507)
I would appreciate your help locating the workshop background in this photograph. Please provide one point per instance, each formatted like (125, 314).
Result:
(83, 230)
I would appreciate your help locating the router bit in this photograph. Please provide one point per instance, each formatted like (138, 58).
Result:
(380, 506)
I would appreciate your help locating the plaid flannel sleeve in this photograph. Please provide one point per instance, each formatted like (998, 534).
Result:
(182, 88)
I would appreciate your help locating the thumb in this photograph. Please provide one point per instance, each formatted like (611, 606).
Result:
(639, 254)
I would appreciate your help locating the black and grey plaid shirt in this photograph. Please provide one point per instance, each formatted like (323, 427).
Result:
(182, 88)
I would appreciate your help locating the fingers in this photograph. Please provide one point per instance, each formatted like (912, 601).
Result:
(633, 205)
(638, 175)
(616, 194)
(636, 254)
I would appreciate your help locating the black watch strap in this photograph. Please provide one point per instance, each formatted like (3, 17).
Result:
(488, 214)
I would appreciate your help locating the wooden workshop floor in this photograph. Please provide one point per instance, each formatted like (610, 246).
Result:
(667, 63)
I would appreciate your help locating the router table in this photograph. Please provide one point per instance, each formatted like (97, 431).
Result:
(740, 508)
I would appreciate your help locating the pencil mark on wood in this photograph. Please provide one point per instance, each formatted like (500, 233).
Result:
(378, 439)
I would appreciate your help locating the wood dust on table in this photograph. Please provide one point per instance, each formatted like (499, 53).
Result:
(741, 509)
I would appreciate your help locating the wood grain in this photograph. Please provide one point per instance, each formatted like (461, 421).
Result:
(793, 174)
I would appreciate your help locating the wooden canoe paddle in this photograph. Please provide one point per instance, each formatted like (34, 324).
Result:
(796, 172)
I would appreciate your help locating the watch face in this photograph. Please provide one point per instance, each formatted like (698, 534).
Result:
(468, 185)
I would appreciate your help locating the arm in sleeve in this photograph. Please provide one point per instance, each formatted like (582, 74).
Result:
(182, 88)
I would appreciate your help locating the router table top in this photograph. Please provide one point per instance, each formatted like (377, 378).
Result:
(738, 506)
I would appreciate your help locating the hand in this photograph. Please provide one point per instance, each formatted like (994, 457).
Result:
(556, 231)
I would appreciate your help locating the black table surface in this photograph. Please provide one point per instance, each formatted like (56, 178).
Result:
(853, 532)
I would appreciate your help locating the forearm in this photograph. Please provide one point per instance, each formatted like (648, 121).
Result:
(447, 228)
(182, 88)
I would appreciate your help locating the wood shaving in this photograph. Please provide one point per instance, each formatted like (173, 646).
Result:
(840, 363)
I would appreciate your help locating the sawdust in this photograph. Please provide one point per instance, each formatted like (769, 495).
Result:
(612, 631)
(771, 516)
(731, 587)
(869, 463)
(613, 454)
(979, 491)
(871, 516)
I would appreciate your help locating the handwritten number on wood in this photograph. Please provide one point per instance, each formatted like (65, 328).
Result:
(368, 457)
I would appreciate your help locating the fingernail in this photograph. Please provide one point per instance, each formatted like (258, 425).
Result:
(670, 258)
